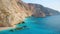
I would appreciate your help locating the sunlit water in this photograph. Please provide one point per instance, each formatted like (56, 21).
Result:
(47, 25)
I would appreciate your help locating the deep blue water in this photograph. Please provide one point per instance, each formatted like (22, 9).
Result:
(33, 25)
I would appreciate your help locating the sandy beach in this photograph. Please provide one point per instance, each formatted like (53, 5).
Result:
(6, 28)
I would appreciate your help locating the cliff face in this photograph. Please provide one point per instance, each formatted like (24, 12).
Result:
(42, 11)
(15, 11)
(12, 12)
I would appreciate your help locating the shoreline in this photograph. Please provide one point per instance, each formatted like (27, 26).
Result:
(6, 28)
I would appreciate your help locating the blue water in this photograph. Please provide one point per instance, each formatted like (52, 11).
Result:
(47, 25)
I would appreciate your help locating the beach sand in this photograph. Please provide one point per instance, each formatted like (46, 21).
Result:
(6, 28)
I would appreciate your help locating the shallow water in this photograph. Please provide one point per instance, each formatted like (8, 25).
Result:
(32, 25)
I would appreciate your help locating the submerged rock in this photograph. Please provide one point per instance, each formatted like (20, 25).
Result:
(12, 30)
(19, 28)
(23, 22)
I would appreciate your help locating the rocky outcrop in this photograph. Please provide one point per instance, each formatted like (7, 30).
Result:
(13, 12)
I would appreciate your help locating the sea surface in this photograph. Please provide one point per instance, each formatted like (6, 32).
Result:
(33, 25)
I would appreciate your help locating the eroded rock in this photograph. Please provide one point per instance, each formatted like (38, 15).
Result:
(12, 13)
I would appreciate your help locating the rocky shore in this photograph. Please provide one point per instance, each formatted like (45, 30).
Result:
(15, 11)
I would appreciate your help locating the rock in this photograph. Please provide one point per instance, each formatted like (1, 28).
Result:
(50, 14)
(39, 14)
(1, 25)
(12, 30)
(11, 12)
(23, 22)
(19, 28)
(24, 26)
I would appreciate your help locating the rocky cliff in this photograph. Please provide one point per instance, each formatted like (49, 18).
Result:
(13, 12)
(42, 11)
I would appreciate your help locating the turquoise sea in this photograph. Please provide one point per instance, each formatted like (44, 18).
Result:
(33, 25)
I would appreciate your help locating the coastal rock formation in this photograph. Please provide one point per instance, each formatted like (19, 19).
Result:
(41, 11)
(13, 12)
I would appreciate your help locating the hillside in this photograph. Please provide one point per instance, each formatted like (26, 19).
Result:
(45, 10)
(13, 12)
